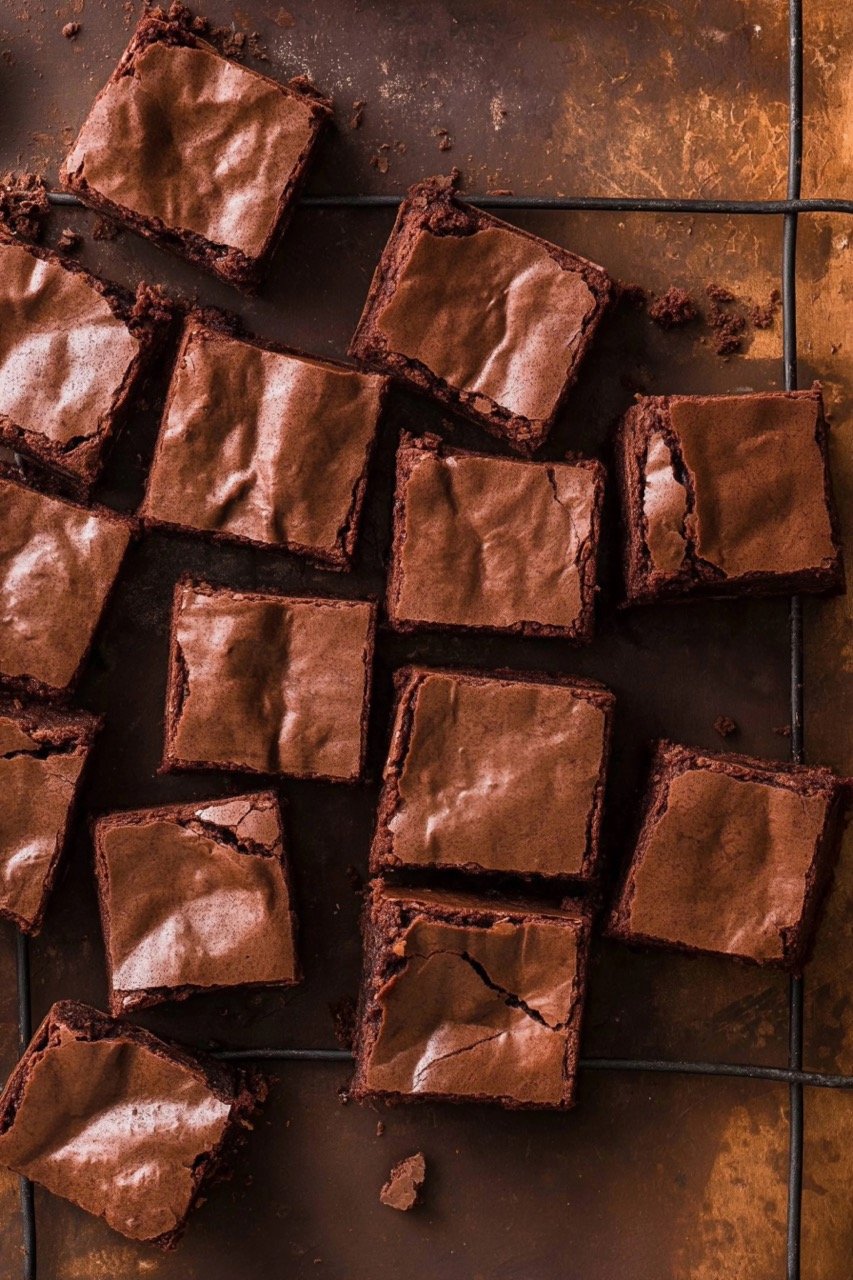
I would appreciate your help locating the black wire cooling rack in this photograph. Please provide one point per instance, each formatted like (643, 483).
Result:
(793, 1075)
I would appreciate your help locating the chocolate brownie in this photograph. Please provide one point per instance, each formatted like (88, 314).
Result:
(195, 151)
(733, 856)
(73, 349)
(495, 543)
(194, 897)
(727, 495)
(470, 999)
(268, 683)
(499, 773)
(264, 446)
(58, 563)
(127, 1126)
(42, 756)
(490, 320)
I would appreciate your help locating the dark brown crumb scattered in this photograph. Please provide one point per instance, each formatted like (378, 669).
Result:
(445, 142)
(343, 1095)
(403, 1188)
(762, 317)
(343, 1021)
(500, 191)
(634, 294)
(729, 328)
(105, 229)
(380, 1128)
(357, 113)
(380, 162)
(783, 730)
(725, 726)
(672, 309)
(719, 294)
(69, 240)
(257, 47)
(71, 30)
(24, 205)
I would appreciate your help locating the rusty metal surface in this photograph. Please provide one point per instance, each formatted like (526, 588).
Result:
(650, 1178)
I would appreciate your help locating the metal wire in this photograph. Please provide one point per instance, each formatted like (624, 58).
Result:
(790, 209)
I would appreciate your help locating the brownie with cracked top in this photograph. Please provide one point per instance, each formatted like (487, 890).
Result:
(501, 773)
(268, 683)
(490, 320)
(73, 349)
(727, 495)
(264, 445)
(125, 1125)
(495, 543)
(58, 565)
(733, 856)
(195, 151)
(43, 752)
(470, 999)
(194, 897)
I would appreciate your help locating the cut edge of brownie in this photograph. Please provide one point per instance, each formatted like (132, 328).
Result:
(228, 263)
(643, 584)
(407, 684)
(124, 1001)
(244, 1091)
(580, 632)
(387, 912)
(148, 315)
(669, 761)
(433, 204)
(178, 681)
(57, 731)
(28, 686)
(340, 557)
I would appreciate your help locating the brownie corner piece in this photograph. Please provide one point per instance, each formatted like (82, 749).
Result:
(213, 874)
(470, 999)
(73, 350)
(490, 320)
(494, 543)
(733, 857)
(239, 145)
(172, 1118)
(43, 753)
(727, 495)
(500, 773)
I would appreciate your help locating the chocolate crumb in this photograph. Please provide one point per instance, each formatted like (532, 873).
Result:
(380, 1128)
(105, 229)
(673, 309)
(357, 113)
(783, 730)
(379, 161)
(729, 330)
(71, 30)
(257, 47)
(343, 1021)
(725, 726)
(24, 205)
(720, 294)
(762, 317)
(500, 191)
(403, 1188)
(69, 240)
(445, 142)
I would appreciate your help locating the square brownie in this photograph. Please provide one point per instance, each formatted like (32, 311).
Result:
(501, 773)
(490, 320)
(195, 151)
(126, 1126)
(42, 756)
(727, 495)
(470, 999)
(58, 564)
(494, 543)
(733, 856)
(264, 446)
(73, 349)
(194, 897)
(268, 683)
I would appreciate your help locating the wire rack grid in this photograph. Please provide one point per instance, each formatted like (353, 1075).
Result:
(793, 1075)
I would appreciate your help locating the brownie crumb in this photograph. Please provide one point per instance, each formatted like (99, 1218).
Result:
(728, 327)
(674, 308)
(445, 142)
(69, 240)
(720, 295)
(500, 191)
(105, 229)
(783, 730)
(762, 317)
(343, 1021)
(24, 205)
(357, 113)
(71, 30)
(403, 1188)
(725, 726)
(257, 47)
(380, 162)
(380, 1128)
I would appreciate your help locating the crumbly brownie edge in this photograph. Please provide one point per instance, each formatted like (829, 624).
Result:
(407, 681)
(384, 921)
(433, 202)
(672, 759)
(243, 1091)
(223, 261)
(579, 633)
